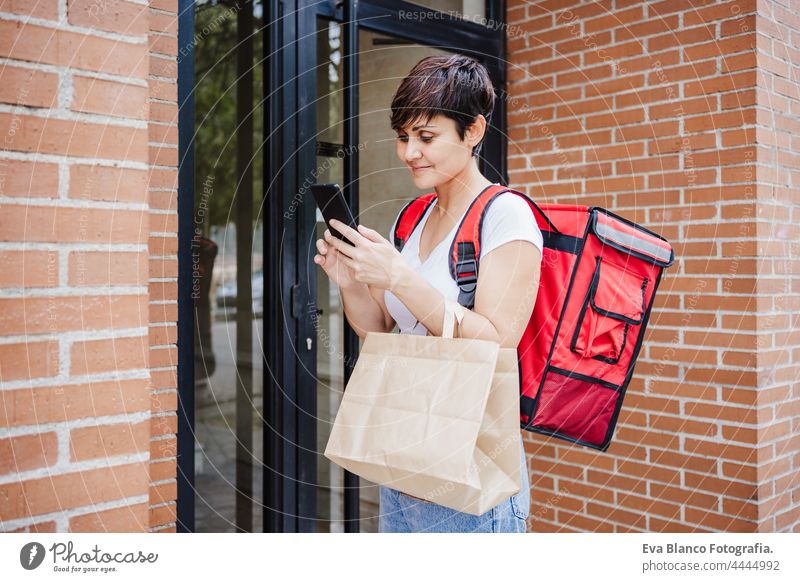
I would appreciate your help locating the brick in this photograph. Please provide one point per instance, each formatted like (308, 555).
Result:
(47, 9)
(161, 66)
(584, 523)
(681, 38)
(683, 425)
(109, 355)
(109, 440)
(164, 493)
(109, 98)
(160, 22)
(163, 222)
(167, 134)
(164, 379)
(163, 312)
(163, 448)
(23, 179)
(718, 522)
(110, 15)
(32, 406)
(617, 481)
(162, 515)
(164, 425)
(615, 119)
(684, 496)
(647, 505)
(684, 72)
(164, 200)
(585, 491)
(162, 470)
(617, 18)
(107, 268)
(631, 82)
(720, 47)
(665, 526)
(128, 519)
(31, 315)
(39, 44)
(166, 5)
(54, 493)
(163, 90)
(681, 461)
(163, 268)
(162, 291)
(720, 83)
(28, 452)
(29, 269)
(73, 138)
(163, 112)
(28, 87)
(165, 44)
(720, 11)
(718, 486)
(163, 335)
(107, 183)
(164, 155)
(39, 527)
(641, 97)
(23, 361)
(164, 401)
(63, 224)
(163, 245)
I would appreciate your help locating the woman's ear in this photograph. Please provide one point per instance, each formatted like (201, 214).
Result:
(476, 131)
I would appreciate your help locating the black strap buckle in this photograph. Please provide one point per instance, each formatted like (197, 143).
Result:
(467, 279)
(467, 273)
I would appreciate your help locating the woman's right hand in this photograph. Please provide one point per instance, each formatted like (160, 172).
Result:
(337, 271)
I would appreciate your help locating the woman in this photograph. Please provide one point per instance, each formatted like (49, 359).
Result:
(440, 115)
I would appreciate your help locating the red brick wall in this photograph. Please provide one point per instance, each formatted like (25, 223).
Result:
(649, 109)
(87, 250)
(163, 132)
(778, 173)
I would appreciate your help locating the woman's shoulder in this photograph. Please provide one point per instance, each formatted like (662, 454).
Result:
(509, 217)
(511, 207)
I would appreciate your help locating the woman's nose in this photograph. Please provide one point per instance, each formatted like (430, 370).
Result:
(411, 152)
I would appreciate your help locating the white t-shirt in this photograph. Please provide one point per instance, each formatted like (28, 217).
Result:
(509, 218)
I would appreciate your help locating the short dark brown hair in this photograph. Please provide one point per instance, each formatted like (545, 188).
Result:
(456, 86)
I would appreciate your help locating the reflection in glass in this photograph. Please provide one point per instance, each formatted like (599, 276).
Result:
(228, 382)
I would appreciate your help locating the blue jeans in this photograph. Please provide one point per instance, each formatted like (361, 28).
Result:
(401, 513)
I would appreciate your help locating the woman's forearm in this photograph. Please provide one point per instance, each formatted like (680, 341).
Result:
(426, 303)
(360, 309)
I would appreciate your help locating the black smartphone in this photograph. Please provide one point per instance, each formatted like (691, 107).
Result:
(331, 202)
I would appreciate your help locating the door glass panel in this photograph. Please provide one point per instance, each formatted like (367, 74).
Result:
(228, 379)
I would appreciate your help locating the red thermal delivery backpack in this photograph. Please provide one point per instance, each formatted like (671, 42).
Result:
(599, 276)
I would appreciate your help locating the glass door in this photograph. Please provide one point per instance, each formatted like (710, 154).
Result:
(348, 67)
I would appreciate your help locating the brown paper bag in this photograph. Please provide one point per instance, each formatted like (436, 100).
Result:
(434, 417)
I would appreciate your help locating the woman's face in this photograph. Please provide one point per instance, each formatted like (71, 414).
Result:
(436, 149)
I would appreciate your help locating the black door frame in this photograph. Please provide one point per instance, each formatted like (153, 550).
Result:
(289, 59)
(290, 420)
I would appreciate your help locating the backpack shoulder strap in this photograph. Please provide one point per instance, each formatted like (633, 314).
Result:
(409, 217)
(465, 251)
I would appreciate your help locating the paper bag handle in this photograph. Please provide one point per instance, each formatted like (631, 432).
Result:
(452, 311)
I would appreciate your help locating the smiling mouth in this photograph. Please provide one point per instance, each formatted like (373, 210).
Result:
(418, 168)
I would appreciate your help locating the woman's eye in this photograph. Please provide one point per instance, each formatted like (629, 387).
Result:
(424, 138)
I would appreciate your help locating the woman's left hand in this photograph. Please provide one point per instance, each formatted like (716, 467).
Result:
(372, 258)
